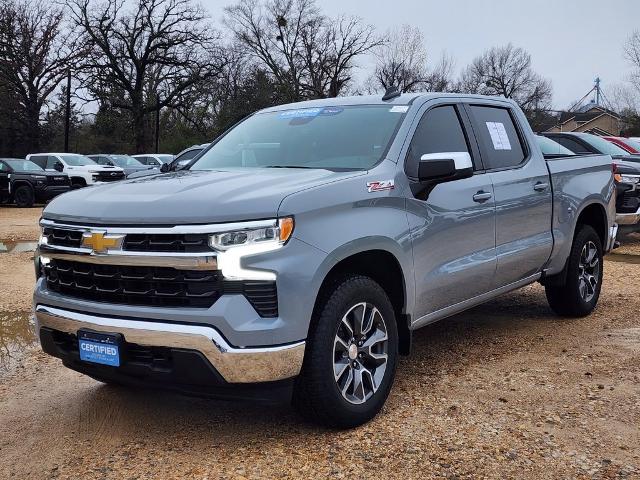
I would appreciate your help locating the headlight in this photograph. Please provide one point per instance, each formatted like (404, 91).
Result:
(269, 232)
(629, 179)
(257, 237)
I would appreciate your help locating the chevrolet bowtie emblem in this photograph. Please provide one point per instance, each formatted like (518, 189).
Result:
(99, 242)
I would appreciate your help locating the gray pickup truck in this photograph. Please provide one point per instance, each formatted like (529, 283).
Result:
(299, 252)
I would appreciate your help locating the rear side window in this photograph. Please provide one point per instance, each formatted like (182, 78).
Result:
(439, 131)
(571, 144)
(498, 137)
(40, 160)
(51, 162)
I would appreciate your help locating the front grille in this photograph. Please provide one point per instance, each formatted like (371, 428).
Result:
(150, 286)
(183, 243)
(63, 238)
(57, 180)
(110, 176)
(155, 286)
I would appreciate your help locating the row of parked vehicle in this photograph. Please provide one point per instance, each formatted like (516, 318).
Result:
(625, 153)
(42, 176)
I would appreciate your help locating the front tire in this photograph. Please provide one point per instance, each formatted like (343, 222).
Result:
(351, 355)
(579, 295)
(23, 196)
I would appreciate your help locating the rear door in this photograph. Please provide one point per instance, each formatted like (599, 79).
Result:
(452, 225)
(522, 192)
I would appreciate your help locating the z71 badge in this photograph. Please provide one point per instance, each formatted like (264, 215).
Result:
(380, 186)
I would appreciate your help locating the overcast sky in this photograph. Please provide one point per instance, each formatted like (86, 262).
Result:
(571, 41)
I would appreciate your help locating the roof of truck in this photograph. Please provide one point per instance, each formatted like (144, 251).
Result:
(403, 99)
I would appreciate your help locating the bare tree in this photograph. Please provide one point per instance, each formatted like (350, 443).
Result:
(507, 71)
(308, 54)
(34, 56)
(145, 58)
(402, 61)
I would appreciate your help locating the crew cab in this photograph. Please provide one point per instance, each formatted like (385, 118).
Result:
(297, 254)
(24, 183)
(82, 171)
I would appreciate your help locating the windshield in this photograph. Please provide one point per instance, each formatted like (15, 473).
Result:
(164, 158)
(77, 160)
(632, 143)
(602, 145)
(125, 161)
(351, 138)
(24, 166)
(549, 147)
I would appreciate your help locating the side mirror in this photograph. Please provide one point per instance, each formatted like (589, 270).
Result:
(444, 167)
(165, 167)
(58, 166)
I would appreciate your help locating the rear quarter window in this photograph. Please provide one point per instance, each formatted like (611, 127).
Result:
(498, 136)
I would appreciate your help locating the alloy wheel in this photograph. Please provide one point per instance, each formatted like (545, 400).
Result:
(588, 271)
(360, 353)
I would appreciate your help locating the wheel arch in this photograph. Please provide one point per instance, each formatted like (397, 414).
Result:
(383, 266)
(595, 215)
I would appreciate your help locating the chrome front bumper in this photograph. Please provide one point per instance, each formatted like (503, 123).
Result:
(235, 365)
(628, 218)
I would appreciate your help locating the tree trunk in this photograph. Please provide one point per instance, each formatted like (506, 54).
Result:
(140, 130)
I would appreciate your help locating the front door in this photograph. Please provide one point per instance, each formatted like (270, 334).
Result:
(453, 225)
(522, 192)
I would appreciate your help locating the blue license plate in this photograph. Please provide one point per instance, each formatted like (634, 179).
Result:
(99, 348)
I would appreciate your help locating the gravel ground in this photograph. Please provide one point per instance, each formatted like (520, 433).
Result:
(506, 390)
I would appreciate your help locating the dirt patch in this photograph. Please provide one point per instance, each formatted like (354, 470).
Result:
(19, 223)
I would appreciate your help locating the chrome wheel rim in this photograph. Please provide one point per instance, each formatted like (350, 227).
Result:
(360, 353)
(588, 271)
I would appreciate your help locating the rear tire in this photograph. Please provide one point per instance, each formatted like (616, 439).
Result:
(351, 355)
(579, 295)
(23, 196)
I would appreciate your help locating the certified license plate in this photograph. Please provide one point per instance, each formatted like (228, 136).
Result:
(100, 348)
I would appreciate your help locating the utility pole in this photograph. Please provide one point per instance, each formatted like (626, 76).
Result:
(597, 88)
(157, 123)
(67, 114)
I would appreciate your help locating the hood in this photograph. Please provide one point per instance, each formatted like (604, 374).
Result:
(94, 168)
(629, 165)
(188, 197)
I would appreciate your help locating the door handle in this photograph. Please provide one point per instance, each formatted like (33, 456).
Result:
(482, 196)
(540, 186)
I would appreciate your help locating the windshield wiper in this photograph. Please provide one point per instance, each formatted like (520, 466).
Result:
(294, 166)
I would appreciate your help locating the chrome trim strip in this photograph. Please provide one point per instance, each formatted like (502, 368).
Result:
(236, 365)
(141, 259)
(472, 302)
(209, 228)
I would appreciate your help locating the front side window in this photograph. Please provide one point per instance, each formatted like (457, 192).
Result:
(498, 137)
(51, 162)
(550, 147)
(439, 131)
(334, 138)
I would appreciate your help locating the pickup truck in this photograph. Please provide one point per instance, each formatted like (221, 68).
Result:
(24, 183)
(82, 171)
(297, 254)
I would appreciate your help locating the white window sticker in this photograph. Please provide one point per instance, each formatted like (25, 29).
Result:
(399, 109)
(498, 136)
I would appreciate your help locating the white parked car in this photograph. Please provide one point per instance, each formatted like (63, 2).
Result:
(82, 171)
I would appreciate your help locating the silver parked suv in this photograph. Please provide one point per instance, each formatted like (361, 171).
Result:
(297, 254)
